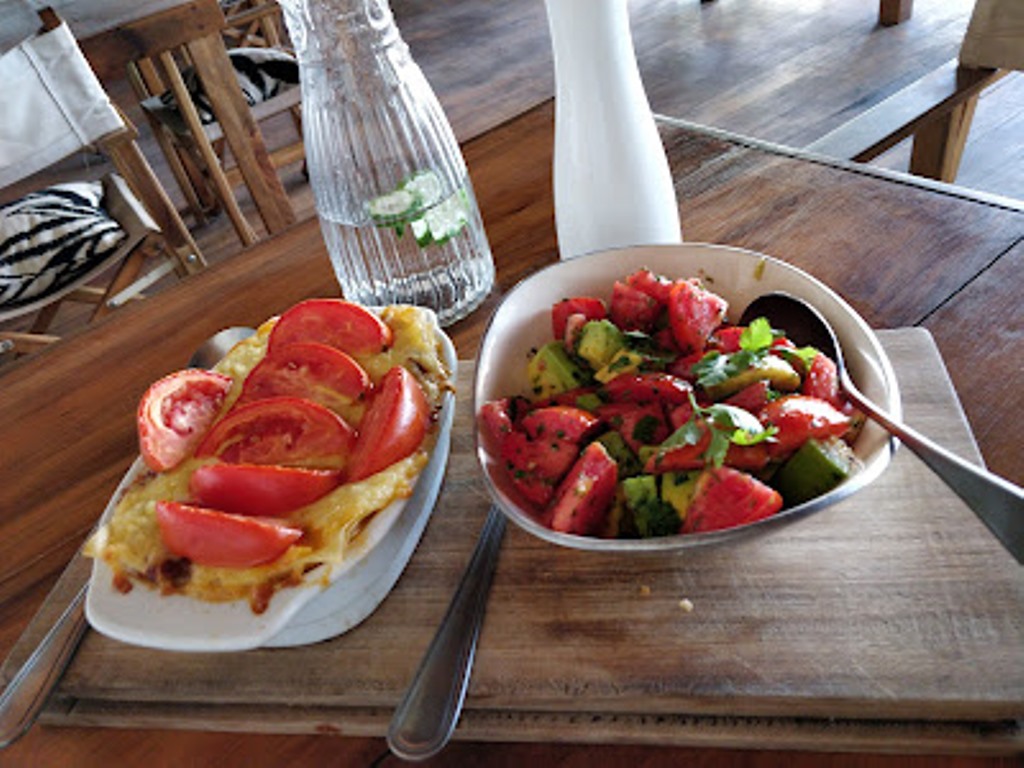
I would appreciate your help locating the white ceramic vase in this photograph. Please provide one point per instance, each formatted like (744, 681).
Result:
(612, 183)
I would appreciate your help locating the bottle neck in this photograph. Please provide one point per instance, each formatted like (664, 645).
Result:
(344, 33)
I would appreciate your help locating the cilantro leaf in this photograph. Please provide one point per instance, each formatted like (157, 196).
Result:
(714, 367)
(757, 336)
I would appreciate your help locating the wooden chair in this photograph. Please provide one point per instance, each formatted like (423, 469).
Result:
(72, 112)
(937, 110)
(157, 51)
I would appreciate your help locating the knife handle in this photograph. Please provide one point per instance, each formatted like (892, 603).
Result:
(429, 712)
(24, 697)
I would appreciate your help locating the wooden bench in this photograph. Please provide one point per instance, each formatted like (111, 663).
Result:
(936, 110)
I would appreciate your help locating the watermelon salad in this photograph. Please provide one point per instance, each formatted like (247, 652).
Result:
(649, 414)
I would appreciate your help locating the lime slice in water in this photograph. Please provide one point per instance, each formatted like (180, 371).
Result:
(426, 186)
(394, 206)
(448, 218)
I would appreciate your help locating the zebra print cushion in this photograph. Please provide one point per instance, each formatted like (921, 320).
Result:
(262, 73)
(51, 238)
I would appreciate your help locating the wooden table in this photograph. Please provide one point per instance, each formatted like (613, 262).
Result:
(904, 253)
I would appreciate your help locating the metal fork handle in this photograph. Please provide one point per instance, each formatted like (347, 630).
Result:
(427, 715)
(24, 697)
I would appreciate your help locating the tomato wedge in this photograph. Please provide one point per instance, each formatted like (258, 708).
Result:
(215, 538)
(693, 314)
(536, 466)
(334, 322)
(649, 388)
(392, 427)
(591, 308)
(726, 497)
(260, 490)
(317, 372)
(632, 309)
(280, 430)
(584, 497)
(563, 422)
(175, 413)
(799, 418)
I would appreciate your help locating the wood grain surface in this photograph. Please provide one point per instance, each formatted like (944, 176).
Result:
(903, 253)
(882, 615)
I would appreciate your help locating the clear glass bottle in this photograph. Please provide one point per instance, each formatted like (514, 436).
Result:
(392, 191)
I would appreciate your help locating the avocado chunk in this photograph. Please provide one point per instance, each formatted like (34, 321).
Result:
(589, 401)
(651, 515)
(677, 489)
(816, 468)
(624, 361)
(551, 371)
(599, 341)
(779, 374)
(617, 448)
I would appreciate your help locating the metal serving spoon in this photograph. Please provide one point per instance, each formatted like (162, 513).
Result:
(24, 697)
(998, 502)
(429, 712)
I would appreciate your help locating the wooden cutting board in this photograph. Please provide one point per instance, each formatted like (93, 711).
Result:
(891, 621)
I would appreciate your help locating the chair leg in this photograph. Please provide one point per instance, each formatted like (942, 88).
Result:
(133, 166)
(938, 146)
(44, 317)
(126, 274)
(208, 157)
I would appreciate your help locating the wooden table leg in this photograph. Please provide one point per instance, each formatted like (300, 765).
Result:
(892, 12)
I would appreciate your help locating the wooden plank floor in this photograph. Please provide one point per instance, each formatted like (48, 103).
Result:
(786, 71)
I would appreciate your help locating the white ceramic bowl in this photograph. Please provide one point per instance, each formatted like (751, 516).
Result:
(300, 615)
(523, 322)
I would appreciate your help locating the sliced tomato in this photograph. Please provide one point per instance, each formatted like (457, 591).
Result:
(682, 366)
(563, 422)
(694, 313)
(752, 458)
(655, 286)
(317, 372)
(726, 497)
(680, 415)
(799, 418)
(726, 339)
(752, 397)
(584, 498)
(290, 431)
(175, 413)
(393, 426)
(822, 380)
(632, 309)
(639, 424)
(648, 388)
(496, 418)
(588, 306)
(214, 538)
(334, 322)
(260, 490)
(536, 466)
(680, 458)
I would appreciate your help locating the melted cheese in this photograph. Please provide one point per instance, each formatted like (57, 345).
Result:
(130, 540)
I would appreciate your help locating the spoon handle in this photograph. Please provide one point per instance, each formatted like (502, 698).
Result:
(428, 713)
(998, 502)
(24, 697)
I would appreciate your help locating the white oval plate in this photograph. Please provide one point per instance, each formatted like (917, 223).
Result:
(523, 322)
(296, 616)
